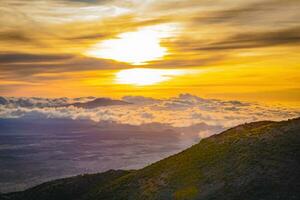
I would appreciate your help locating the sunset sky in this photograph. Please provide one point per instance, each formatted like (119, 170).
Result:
(226, 49)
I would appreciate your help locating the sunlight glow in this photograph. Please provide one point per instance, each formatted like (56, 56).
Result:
(144, 76)
(134, 47)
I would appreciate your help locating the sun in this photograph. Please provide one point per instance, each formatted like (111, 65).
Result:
(136, 48)
(144, 76)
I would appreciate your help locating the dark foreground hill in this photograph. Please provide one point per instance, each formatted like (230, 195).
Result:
(254, 161)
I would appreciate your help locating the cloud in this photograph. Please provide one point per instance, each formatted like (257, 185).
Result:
(252, 13)
(140, 100)
(14, 36)
(51, 37)
(181, 111)
(257, 40)
(37, 102)
(23, 66)
(31, 58)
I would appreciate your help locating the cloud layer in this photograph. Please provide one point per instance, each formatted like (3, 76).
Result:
(181, 111)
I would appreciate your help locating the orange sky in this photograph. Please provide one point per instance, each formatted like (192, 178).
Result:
(243, 50)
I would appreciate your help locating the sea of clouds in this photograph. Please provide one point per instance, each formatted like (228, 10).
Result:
(181, 111)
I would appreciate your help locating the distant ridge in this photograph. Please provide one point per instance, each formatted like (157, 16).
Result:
(82, 102)
(99, 102)
(254, 161)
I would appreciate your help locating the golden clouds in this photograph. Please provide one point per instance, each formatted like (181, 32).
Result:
(235, 38)
(143, 76)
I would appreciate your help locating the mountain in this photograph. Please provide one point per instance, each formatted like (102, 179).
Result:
(98, 103)
(81, 102)
(3, 101)
(255, 161)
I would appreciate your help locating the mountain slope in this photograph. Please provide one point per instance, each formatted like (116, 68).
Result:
(259, 160)
(68, 188)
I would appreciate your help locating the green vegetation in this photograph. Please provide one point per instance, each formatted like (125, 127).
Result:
(260, 160)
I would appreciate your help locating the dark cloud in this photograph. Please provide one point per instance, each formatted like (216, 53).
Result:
(88, 37)
(24, 66)
(3, 101)
(6, 58)
(251, 13)
(248, 40)
(15, 36)
(246, 25)
(257, 39)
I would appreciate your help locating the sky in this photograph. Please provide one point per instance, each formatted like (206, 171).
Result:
(225, 49)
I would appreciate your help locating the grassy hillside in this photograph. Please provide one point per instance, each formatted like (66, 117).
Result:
(259, 160)
(68, 188)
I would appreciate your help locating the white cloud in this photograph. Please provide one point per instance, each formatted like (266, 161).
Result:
(181, 111)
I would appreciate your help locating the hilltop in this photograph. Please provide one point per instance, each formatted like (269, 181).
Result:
(259, 160)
